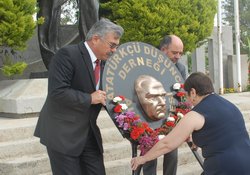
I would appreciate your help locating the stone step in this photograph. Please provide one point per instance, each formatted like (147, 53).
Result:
(39, 164)
(20, 148)
(111, 135)
(47, 173)
(187, 165)
(32, 146)
(25, 165)
(246, 115)
(116, 151)
(185, 156)
(11, 149)
(22, 154)
(241, 100)
(18, 129)
(115, 146)
(248, 128)
(192, 168)
(31, 164)
(122, 166)
(104, 120)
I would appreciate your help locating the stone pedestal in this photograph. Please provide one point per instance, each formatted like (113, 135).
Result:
(184, 61)
(22, 98)
(198, 60)
(232, 72)
(227, 44)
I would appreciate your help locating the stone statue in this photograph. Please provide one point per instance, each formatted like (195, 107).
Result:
(49, 32)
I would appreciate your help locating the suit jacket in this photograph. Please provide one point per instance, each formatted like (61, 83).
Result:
(181, 69)
(67, 114)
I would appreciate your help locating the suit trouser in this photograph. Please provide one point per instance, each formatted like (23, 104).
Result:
(169, 164)
(150, 167)
(90, 162)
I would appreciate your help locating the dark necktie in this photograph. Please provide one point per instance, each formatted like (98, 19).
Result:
(97, 71)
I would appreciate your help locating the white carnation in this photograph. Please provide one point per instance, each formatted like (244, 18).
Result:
(179, 114)
(171, 119)
(160, 137)
(124, 106)
(176, 86)
(117, 99)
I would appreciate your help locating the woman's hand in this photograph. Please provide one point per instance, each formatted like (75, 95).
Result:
(136, 162)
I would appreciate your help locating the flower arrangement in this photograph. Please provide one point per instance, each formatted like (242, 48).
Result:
(138, 131)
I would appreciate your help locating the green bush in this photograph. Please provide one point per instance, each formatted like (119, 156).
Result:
(16, 22)
(14, 69)
(16, 27)
(150, 20)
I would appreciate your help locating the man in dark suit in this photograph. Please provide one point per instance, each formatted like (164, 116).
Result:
(172, 46)
(67, 122)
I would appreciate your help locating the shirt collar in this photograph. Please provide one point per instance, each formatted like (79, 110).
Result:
(91, 53)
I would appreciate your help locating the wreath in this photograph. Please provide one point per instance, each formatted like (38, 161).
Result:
(138, 131)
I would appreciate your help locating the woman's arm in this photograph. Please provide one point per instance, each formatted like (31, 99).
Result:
(190, 122)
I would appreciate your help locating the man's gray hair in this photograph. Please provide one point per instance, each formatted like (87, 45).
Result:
(104, 26)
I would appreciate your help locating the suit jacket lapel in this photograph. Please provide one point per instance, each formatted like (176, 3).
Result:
(87, 61)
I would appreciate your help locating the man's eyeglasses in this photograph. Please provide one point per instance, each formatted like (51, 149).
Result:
(111, 45)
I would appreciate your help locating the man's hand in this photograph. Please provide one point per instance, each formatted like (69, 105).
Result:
(98, 97)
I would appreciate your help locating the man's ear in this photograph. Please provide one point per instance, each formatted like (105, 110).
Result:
(95, 38)
(193, 92)
(163, 49)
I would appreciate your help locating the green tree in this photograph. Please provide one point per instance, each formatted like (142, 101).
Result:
(16, 27)
(150, 20)
(16, 22)
(244, 14)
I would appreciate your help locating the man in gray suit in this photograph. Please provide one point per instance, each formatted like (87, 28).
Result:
(172, 46)
(67, 122)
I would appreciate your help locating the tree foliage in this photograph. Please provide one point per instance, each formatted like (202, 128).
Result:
(150, 20)
(16, 22)
(244, 14)
(69, 12)
(14, 69)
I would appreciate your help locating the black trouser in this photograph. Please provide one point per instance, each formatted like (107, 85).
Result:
(169, 164)
(90, 162)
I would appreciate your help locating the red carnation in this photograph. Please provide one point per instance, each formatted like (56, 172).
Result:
(144, 124)
(122, 97)
(175, 117)
(181, 94)
(170, 124)
(136, 132)
(149, 130)
(118, 108)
